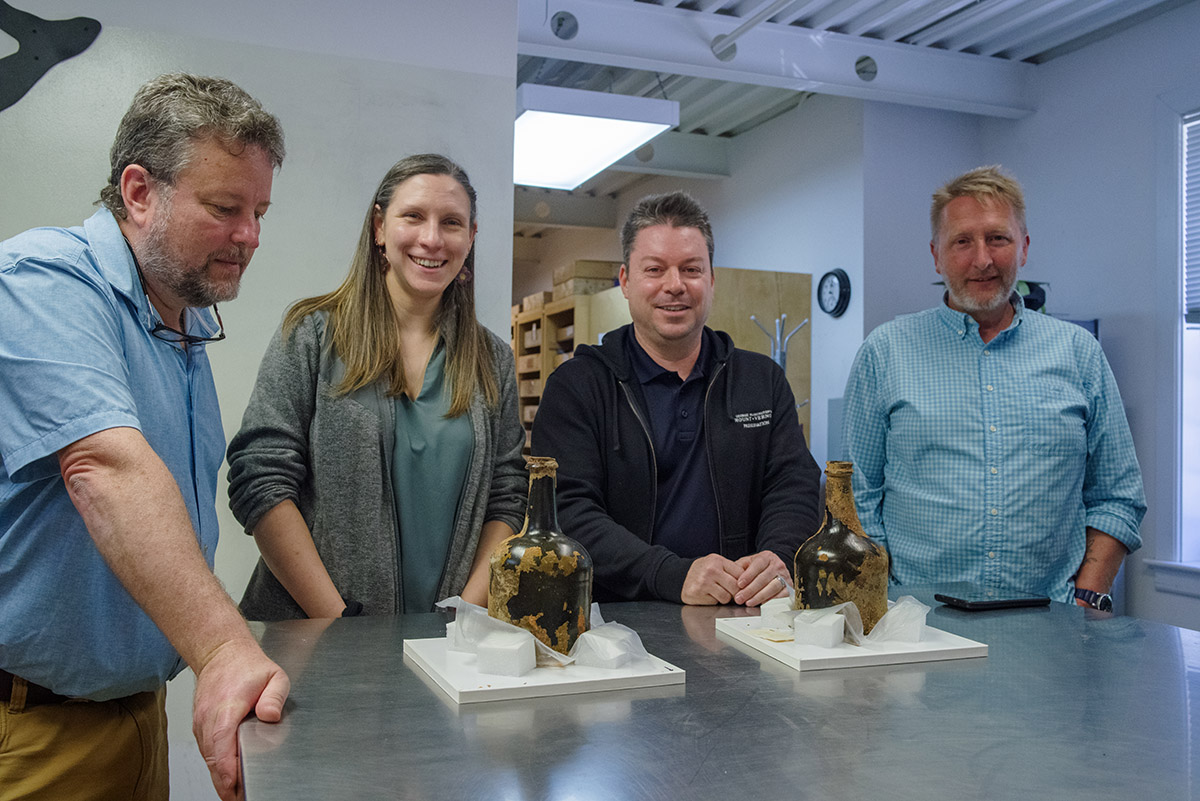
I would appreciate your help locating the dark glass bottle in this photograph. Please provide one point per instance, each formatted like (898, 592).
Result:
(840, 562)
(541, 579)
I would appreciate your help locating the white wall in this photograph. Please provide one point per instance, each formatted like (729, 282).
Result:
(428, 77)
(1088, 161)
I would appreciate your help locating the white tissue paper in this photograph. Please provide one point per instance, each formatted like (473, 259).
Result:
(506, 653)
(605, 645)
(609, 645)
(904, 621)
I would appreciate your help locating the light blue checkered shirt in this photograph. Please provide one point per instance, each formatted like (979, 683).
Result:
(987, 462)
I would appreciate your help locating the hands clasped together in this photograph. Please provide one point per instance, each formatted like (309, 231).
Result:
(751, 581)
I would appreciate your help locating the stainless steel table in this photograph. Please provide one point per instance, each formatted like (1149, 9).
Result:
(1068, 704)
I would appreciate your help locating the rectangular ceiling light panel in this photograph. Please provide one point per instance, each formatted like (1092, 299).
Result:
(565, 136)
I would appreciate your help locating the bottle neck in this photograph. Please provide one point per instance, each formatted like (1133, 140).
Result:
(542, 513)
(839, 499)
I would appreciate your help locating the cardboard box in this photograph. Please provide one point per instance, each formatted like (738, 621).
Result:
(582, 286)
(536, 301)
(587, 268)
(530, 363)
(533, 337)
(530, 387)
(530, 412)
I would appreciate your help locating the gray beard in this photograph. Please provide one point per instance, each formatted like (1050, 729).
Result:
(189, 285)
(971, 305)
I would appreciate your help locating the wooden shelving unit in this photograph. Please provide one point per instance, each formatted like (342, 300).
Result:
(545, 338)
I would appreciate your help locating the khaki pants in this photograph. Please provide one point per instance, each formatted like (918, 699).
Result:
(94, 750)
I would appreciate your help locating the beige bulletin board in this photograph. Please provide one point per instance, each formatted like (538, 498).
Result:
(768, 295)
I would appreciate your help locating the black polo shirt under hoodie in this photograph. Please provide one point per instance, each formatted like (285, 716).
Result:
(685, 515)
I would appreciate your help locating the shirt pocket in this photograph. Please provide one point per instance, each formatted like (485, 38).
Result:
(1055, 419)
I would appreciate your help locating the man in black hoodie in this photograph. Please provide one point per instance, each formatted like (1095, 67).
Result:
(682, 466)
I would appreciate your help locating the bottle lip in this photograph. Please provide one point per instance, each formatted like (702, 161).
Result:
(541, 466)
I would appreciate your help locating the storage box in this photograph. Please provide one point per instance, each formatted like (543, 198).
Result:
(562, 357)
(587, 268)
(581, 286)
(530, 363)
(530, 387)
(533, 337)
(536, 301)
(530, 412)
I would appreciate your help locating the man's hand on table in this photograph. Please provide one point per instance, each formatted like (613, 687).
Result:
(711, 580)
(764, 576)
(236, 680)
(751, 581)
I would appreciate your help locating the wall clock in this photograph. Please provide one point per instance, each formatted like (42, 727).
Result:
(833, 292)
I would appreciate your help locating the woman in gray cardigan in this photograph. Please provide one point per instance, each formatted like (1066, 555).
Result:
(379, 461)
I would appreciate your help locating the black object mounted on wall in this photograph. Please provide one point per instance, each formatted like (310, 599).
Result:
(833, 292)
(41, 44)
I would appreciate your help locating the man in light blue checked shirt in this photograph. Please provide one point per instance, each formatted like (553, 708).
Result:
(989, 442)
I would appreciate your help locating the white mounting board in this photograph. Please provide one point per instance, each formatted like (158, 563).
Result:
(457, 676)
(935, 645)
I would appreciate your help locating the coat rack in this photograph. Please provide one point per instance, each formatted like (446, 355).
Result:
(779, 343)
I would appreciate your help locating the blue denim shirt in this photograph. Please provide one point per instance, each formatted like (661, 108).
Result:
(986, 462)
(77, 357)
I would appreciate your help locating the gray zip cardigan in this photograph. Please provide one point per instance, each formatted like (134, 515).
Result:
(331, 455)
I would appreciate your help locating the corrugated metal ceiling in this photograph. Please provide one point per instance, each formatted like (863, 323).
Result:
(1033, 31)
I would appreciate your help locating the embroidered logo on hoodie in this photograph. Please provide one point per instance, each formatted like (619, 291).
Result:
(753, 419)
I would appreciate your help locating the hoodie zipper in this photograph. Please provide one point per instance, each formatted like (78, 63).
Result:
(653, 458)
(712, 473)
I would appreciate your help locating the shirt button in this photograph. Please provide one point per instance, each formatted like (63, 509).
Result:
(991, 428)
(987, 353)
(991, 554)
(684, 412)
(991, 388)
(994, 471)
(995, 512)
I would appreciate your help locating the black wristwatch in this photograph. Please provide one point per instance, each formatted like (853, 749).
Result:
(1096, 600)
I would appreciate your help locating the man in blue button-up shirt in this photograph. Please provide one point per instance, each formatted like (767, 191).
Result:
(110, 440)
(989, 442)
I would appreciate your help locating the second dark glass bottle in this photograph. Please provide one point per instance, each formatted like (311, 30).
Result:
(840, 562)
(541, 579)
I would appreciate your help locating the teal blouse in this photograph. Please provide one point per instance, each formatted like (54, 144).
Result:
(430, 456)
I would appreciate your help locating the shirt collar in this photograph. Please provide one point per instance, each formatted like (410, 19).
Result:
(963, 324)
(119, 267)
(645, 369)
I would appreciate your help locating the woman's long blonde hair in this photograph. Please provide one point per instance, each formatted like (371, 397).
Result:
(362, 319)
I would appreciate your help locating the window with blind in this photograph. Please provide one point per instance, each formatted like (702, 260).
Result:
(1191, 219)
(1189, 384)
